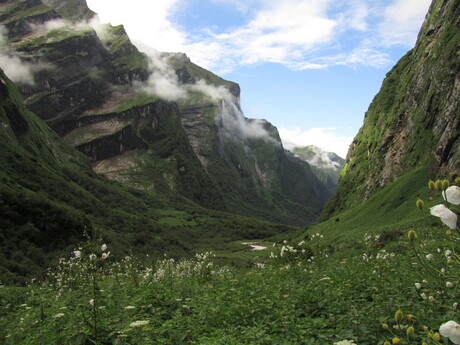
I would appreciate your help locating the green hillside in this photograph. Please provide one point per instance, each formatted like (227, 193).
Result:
(50, 197)
(158, 268)
(413, 121)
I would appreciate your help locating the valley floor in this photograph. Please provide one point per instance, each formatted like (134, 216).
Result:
(293, 293)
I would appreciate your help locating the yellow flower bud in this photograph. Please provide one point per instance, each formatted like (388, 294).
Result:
(395, 341)
(412, 235)
(436, 337)
(438, 184)
(449, 232)
(450, 261)
(419, 203)
(457, 181)
(384, 326)
(398, 316)
(431, 185)
(445, 184)
(410, 330)
(386, 343)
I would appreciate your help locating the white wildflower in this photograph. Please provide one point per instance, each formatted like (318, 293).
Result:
(429, 257)
(104, 247)
(77, 253)
(452, 195)
(449, 284)
(418, 286)
(92, 257)
(447, 216)
(345, 342)
(139, 323)
(91, 301)
(451, 330)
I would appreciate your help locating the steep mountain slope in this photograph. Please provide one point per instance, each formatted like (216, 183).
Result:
(49, 197)
(325, 165)
(156, 122)
(413, 122)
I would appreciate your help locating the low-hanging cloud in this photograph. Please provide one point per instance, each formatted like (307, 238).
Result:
(19, 71)
(231, 119)
(164, 83)
(22, 71)
(324, 138)
(163, 80)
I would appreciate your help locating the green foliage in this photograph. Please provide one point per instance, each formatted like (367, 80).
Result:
(295, 295)
(19, 11)
(391, 208)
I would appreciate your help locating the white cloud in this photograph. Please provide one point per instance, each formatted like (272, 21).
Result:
(283, 32)
(19, 71)
(402, 21)
(324, 138)
(301, 34)
(163, 82)
(144, 20)
(16, 70)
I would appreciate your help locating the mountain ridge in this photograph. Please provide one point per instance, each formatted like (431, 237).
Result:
(414, 120)
(103, 95)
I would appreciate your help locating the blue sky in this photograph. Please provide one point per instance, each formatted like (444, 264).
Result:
(310, 67)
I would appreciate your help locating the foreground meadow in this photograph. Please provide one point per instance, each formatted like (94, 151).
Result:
(391, 288)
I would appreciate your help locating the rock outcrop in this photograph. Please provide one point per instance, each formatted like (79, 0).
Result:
(414, 120)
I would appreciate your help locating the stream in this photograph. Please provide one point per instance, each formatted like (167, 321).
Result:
(254, 246)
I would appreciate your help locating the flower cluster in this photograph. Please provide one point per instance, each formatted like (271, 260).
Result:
(300, 252)
(447, 211)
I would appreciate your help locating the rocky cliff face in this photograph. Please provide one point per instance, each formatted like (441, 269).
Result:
(50, 197)
(414, 120)
(157, 122)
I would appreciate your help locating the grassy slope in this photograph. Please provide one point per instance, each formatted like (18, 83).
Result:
(391, 210)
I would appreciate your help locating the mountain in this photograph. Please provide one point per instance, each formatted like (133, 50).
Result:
(413, 123)
(325, 165)
(50, 199)
(153, 121)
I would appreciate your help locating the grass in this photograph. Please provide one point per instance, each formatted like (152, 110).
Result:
(292, 293)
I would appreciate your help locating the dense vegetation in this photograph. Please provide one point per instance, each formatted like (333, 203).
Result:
(384, 288)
